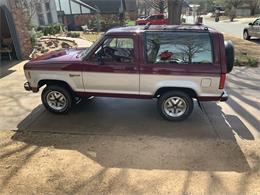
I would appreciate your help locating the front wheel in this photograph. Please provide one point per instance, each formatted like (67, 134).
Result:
(246, 35)
(56, 99)
(175, 105)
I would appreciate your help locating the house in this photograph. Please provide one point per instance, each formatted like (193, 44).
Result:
(74, 12)
(129, 7)
(45, 13)
(243, 10)
(14, 36)
(80, 12)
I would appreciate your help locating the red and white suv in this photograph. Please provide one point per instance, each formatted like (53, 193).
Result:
(174, 64)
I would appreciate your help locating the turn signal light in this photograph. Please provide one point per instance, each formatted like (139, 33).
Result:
(222, 81)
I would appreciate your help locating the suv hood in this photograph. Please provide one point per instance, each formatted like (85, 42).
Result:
(66, 55)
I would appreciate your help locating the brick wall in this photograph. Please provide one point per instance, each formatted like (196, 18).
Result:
(83, 19)
(21, 29)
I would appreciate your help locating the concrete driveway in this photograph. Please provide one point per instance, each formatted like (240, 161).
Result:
(115, 146)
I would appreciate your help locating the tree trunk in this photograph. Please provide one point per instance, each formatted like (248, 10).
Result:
(175, 10)
(233, 13)
(253, 11)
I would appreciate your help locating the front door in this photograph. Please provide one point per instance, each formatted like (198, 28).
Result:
(112, 68)
(255, 28)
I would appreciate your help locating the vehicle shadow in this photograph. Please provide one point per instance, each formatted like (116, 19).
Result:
(5, 67)
(255, 40)
(130, 134)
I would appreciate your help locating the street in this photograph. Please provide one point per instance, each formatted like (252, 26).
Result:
(232, 28)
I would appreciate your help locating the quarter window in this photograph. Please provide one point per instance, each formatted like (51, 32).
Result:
(178, 48)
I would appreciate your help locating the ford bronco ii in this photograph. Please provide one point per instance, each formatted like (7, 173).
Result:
(174, 64)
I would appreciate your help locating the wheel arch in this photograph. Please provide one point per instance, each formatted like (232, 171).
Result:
(187, 90)
(246, 30)
(55, 82)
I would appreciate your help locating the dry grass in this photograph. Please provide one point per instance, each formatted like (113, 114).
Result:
(245, 49)
(90, 36)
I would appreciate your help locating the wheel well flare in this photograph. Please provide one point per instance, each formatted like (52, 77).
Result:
(163, 90)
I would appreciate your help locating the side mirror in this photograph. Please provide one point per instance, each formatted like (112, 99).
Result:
(250, 24)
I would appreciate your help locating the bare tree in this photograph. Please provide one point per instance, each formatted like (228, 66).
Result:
(191, 46)
(174, 11)
(30, 8)
(231, 7)
(143, 8)
(158, 5)
(254, 4)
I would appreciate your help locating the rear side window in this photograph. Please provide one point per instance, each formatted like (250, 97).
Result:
(178, 48)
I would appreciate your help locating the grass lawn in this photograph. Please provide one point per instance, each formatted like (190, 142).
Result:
(245, 50)
(130, 23)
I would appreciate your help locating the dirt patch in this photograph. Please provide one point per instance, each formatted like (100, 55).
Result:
(33, 163)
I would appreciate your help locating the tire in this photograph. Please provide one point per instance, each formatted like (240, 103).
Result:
(230, 55)
(169, 99)
(56, 99)
(246, 35)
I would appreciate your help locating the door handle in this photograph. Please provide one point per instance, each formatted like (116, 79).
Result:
(74, 75)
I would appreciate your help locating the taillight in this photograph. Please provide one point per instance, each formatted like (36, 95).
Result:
(222, 81)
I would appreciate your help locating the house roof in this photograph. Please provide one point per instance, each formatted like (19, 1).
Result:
(105, 6)
(111, 6)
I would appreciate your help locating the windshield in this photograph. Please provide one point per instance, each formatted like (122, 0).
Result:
(85, 52)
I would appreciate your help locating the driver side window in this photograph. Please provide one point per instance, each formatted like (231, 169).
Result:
(115, 50)
(257, 22)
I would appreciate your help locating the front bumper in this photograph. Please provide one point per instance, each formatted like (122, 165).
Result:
(27, 86)
(224, 97)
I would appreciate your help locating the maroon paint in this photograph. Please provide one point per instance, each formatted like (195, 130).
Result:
(208, 98)
(136, 96)
(68, 60)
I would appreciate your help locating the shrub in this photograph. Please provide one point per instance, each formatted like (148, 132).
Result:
(237, 62)
(73, 34)
(252, 62)
(50, 29)
(108, 23)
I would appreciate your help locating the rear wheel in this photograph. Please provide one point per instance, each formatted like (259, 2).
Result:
(56, 99)
(175, 105)
(246, 35)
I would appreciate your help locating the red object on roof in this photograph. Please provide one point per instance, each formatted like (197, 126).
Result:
(166, 55)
